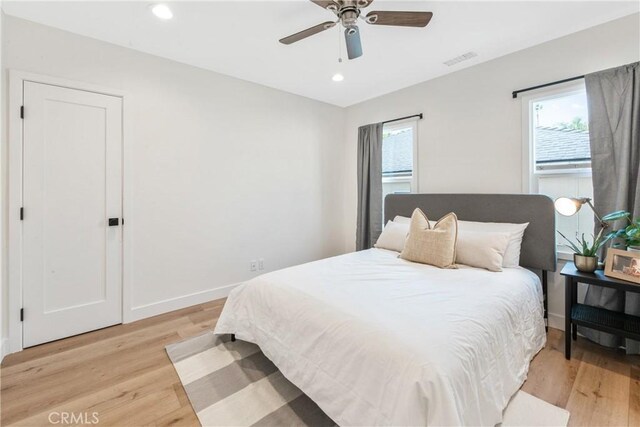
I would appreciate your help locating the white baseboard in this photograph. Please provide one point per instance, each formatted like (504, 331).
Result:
(556, 321)
(165, 306)
(4, 348)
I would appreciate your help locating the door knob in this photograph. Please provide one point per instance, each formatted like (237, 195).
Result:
(114, 222)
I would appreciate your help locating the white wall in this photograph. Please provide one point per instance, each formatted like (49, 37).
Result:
(470, 137)
(224, 171)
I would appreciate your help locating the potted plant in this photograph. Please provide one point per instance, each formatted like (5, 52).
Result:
(630, 235)
(585, 254)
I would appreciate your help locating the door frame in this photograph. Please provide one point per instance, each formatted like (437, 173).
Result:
(14, 164)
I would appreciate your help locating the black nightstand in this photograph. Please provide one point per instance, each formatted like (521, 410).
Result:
(609, 321)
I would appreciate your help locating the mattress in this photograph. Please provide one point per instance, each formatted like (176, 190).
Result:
(377, 340)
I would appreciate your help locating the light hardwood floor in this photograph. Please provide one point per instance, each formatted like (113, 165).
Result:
(124, 374)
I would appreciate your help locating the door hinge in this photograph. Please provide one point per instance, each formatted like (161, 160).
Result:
(22, 111)
(22, 314)
(122, 221)
(21, 214)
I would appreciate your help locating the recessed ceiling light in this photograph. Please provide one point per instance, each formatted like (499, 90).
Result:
(162, 11)
(337, 77)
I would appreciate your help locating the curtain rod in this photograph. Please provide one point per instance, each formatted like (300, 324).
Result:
(402, 118)
(516, 92)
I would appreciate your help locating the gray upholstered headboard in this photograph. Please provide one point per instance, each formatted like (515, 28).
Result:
(539, 242)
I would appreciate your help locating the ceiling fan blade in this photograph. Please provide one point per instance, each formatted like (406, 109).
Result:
(402, 19)
(327, 4)
(308, 32)
(354, 46)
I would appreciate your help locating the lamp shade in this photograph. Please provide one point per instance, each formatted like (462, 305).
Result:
(568, 206)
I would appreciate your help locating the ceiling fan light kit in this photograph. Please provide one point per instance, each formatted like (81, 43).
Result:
(348, 12)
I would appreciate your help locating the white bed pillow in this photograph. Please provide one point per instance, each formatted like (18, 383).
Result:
(402, 220)
(482, 249)
(393, 237)
(511, 257)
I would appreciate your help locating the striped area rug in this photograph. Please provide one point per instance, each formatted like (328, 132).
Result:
(234, 384)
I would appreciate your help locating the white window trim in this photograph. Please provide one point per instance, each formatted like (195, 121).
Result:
(528, 153)
(530, 186)
(404, 124)
(394, 179)
(559, 170)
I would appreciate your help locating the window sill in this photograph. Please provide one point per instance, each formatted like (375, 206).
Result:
(564, 255)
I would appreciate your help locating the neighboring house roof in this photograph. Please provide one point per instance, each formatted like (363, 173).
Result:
(561, 145)
(397, 152)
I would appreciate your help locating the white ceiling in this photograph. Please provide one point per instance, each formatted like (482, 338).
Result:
(240, 38)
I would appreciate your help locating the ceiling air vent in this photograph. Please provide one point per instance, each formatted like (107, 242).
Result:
(458, 59)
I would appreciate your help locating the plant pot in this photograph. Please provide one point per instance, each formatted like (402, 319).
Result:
(586, 264)
(633, 248)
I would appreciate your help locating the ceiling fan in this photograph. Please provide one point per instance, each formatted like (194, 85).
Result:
(348, 12)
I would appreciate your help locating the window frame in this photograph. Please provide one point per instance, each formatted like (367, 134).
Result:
(529, 172)
(404, 124)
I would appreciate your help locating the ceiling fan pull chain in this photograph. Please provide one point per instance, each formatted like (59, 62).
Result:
(339, 45)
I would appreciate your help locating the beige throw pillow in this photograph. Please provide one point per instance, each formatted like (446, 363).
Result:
(434, 246)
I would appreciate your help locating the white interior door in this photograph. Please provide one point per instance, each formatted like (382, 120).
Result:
(72, 185)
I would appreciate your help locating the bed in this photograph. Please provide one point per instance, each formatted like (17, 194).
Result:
(377, 340)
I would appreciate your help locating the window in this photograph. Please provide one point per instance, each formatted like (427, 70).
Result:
(557, 153)
(399, 156)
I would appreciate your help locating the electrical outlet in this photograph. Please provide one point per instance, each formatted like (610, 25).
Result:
(253, 265)
(261, 264)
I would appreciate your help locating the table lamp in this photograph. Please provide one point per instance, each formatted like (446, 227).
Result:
(569, 206)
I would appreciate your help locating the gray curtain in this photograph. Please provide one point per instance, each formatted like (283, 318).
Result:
(614, 131)
(369, 185)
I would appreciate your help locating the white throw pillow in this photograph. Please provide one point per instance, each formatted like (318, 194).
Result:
(393, 237)
(482, 249)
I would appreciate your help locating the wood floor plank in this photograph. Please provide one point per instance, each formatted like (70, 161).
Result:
(143, 410)
(183, 416)
(124, 374)
(106, 399)
(181, 393)
(87, 363)
(44, 366)
(600, 394)
(551, 376)
(99, 373)
(82, 340)
(206, 315)
(634, 396)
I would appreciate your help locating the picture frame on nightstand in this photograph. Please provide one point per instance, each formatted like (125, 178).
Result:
(623, 265)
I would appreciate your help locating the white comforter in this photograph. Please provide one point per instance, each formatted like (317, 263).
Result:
(376, 340)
